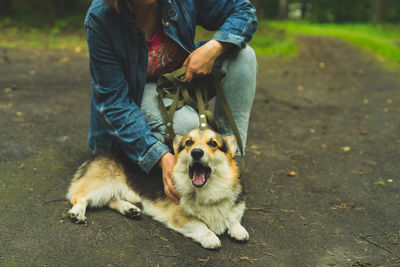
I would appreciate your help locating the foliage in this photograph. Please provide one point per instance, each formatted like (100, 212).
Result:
(270, 41)
(334, 11)
(382, 41)
(41, 38)
(267, 41)
(42, 13)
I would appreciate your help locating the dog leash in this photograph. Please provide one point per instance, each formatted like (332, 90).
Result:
(197, 95)
(173, 85)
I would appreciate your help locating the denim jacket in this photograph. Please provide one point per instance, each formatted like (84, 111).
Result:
(116, 120)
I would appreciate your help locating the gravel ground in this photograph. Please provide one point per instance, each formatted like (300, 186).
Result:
(322, 177)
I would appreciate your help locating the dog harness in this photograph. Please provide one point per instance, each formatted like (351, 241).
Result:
(196, 94)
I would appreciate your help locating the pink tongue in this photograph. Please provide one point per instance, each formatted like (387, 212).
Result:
(199, 177)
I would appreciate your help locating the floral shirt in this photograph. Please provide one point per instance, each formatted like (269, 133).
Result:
(164, 55)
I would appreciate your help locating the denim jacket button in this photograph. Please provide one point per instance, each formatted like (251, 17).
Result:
(166, 24)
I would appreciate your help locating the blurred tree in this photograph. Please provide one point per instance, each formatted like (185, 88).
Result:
(304, 8)
(42, 12)
(378, 11)
(48, 12)
(283, 9)
(6, 7)
(392, 12)
(256, 3)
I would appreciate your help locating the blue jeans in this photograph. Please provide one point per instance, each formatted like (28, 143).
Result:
(239, 86)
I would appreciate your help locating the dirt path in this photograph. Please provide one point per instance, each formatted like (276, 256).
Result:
(322, 175)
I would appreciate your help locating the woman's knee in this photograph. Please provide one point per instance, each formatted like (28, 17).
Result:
(247, 60)
(185, 120)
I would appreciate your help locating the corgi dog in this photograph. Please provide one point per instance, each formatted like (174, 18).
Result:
(204, 174)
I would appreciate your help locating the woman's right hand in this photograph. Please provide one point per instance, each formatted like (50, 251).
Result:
(167, 163)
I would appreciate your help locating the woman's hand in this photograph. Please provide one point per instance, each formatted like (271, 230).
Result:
(167, 163)
(201, 61)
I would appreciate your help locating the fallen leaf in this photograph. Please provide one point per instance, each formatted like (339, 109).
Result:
(78, 49)
(365, 101)
(288, 211)
(322, 65)
(4, 106)
(346, 148)
(292, 173)
(163, 238)
(390, 180)
(19, 113)
(62, 139)
(389, 101)
(204, 261)
(32, 72)
(63, 60)
(300, 88)
(246, 258)
(362, 264)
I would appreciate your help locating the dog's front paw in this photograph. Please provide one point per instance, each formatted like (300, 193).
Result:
(77, 217)
(133, 212)
(239, 233)
(210, 241)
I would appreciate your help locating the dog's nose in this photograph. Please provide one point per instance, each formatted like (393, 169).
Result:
(197, 153)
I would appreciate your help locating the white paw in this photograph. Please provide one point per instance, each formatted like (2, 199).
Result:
(133, 212)
(210, 241)
(238, 232)
(126, 208)
(76, 216)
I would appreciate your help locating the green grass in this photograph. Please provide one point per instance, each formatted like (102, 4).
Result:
(273, 42)
(381, 41)
(266, 42)
(272, 38)
(57, 37)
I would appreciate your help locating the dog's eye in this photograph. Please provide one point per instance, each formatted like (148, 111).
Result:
(189, 143)
(212, 144)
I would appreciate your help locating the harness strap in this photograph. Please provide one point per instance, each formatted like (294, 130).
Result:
(173, 85)
(229, 115)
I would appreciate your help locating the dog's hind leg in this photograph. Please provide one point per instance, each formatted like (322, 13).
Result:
(125, 208)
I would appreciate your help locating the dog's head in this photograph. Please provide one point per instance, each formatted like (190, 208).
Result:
(204, 155)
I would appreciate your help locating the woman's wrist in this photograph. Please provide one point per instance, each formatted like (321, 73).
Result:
(163, 158)
(221, 47)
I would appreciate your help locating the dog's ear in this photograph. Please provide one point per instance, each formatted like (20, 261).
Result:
(177, 144)
(232, 144)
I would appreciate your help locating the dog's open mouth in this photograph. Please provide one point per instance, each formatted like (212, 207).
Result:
(199, 174)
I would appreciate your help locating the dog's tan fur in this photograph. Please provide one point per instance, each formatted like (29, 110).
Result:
(203, 213)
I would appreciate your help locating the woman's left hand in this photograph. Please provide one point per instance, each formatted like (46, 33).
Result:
(201, 61)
